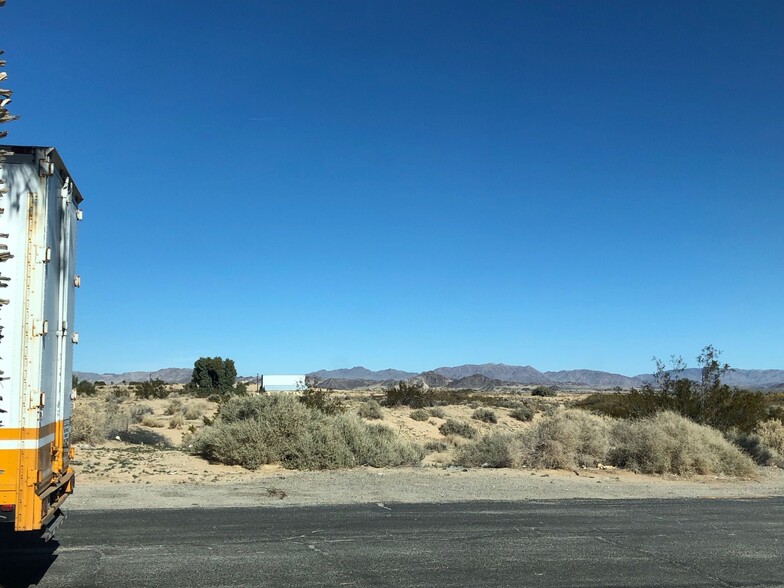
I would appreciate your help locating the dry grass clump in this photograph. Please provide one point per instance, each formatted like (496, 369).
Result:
(437, 412)
(420, 414)
(522, 413)
(497, 450)
(150, 421)
(370, 410)
(194, 410)
(566, 440)
(253, 431)
(173, 407)
(95, 421)
(669, 443)
(177, 421)
(486, 415)
(436, 446)
(454, 427)
(772, 434)
(139, 411)
(765, 445)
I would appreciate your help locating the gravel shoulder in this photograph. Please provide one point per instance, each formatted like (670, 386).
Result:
(416, 485)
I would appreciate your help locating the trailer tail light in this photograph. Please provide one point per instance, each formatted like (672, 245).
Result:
(6, 507)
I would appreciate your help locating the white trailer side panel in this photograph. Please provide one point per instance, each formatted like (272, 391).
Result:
(39, 217)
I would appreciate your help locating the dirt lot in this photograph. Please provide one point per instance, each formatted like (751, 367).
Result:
(154, 470)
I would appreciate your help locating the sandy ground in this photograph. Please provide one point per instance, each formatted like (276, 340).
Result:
(147, 475)
(278, 487)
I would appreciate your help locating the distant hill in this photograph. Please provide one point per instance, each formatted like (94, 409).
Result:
(592, 378)
(431, 380)
(169, 375)
(361, 373)
(496, 371)
(476, 382)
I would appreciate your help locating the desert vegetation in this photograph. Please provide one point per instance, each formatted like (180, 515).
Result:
(709, 401)
(370, 410)
(570, 439)
(96, 420)
(262, 430)
(670, 426)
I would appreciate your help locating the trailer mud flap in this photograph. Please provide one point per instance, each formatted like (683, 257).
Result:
(54, 524)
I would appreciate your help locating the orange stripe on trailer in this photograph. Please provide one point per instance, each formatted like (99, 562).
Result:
(27, 434)
(21, 485)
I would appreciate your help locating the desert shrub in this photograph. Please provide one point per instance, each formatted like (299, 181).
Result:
(455, 427)
(615, 404)
(85, 388)
(370, 410)
(321, 400)
(194, 410)
(496, 450)
(723, 408)
(93, 421)
(772, 434)
(544, 391)
(100, 384)
(138, 411)
(566, 440)
(173, 407)
(708, 401)
(522, 413)
(419, 415)
(151, 389)
(753, 445)
(485, 415)
(669, 443)
(413, 395)
(177, 421)
(121, 394)
(253, 431)
(437, 412)
(436, 446)
(151, 421)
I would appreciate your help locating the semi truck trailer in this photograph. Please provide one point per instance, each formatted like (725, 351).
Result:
(39, 210)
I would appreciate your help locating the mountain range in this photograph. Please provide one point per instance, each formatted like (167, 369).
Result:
(474, 376)
(169, 375)
(502, 374)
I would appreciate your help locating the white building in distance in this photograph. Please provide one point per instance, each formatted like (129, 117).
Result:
(282, 383)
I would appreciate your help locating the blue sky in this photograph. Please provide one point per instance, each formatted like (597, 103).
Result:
(308, 185)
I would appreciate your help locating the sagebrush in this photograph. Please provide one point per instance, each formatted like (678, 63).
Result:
(254, 431)
(460, 428)
(669, 443)
(94, 421)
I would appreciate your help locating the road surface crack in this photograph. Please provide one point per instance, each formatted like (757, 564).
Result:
(718, 581)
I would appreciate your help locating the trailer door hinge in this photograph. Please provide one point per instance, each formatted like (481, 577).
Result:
(37, 400)
(40, 327)
(45, 168)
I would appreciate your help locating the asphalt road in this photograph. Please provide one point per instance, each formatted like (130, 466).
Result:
(546, 543)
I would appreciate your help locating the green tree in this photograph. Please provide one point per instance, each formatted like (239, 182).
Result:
(213, 374)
